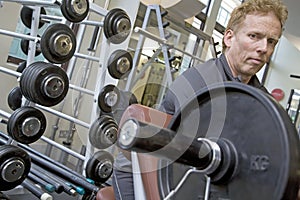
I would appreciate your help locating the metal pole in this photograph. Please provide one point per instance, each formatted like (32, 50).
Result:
(74, 87)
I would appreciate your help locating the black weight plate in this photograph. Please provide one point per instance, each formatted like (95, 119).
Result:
(44, 83)
(58, 43)
(30, 77)
(119, 64)
(26, 16)
(108, 98)
(120, 28)
(24, 80)
(261, 131)
(14, 98)
(126, 98)
(92, 166)
(103, 132)
(10, 152)
(51, 85)
(32, 85)
(75, 11)
(21, 66)
(25, 45)
(107, 24)
(27, 78)
(111, 23)
(19, 126)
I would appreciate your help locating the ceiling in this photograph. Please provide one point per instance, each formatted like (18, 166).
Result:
(292, 29)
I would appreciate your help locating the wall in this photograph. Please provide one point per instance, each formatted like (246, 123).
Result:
(285, 61)
(8, 11)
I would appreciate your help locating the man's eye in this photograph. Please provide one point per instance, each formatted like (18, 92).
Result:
(252, 36)
(272, 42)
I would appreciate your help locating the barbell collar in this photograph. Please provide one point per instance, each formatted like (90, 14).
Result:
(53, 86)
(31, 126)
(79, 9)
(12, 170)
(104, 169)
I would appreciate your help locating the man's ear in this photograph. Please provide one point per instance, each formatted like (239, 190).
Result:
(228, 35)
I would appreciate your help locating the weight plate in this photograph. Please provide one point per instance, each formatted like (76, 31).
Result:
(25, 47)
(26, 78)
(14, 166)
(58, 43)
(119, 64)
(260, 130)
(21, 66)
(103, 132)
(126, 99)
(26, 124)
(106, 24)
(117, 25)
(121, 27)
(108, 98)
(14, 98)
(44, 83)
(51, 85)
(100, 166)
(75, 10)
(26, 16)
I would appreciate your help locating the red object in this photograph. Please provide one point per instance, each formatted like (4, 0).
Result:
(278, 94)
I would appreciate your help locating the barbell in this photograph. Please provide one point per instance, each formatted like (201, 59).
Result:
(228, 141)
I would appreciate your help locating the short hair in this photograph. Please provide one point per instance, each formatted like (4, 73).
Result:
(239, 14)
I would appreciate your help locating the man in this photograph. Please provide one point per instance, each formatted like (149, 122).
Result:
(248, 43)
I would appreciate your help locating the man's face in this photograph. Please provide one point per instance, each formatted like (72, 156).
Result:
(251, 45)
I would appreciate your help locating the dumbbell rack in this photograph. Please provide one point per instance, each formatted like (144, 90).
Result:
(101, 74)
